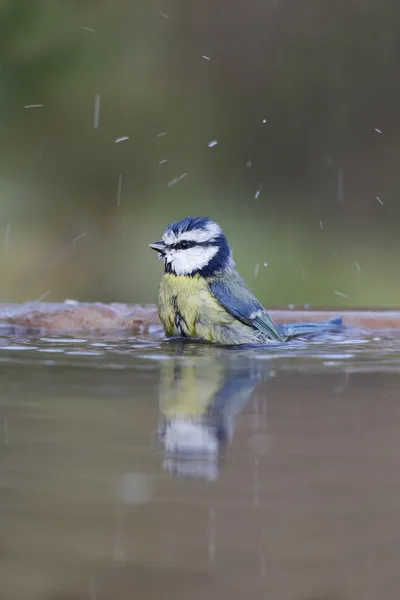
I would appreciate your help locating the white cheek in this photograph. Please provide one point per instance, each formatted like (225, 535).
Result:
(185, 262)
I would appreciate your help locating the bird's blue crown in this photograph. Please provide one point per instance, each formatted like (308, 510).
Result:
(189, 224)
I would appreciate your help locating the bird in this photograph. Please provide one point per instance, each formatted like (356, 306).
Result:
(201, 295)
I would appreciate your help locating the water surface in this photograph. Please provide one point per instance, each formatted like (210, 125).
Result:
(149, 469)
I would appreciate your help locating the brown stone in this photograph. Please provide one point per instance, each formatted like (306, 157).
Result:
(97, 318)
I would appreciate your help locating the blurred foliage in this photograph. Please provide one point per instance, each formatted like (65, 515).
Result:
(323, 75)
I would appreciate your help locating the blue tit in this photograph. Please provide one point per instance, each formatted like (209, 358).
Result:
(202, 296)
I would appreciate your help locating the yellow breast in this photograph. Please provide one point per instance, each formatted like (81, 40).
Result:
(180, 301)
(188, 308)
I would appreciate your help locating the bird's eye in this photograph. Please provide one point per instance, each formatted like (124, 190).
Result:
(184, 244)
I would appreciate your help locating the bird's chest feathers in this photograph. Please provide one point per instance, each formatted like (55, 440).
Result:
(181, 299)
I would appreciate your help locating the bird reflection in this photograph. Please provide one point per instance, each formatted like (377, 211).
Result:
(200, 397)
(204, 387)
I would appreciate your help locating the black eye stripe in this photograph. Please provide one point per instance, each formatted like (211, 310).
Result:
(184, 245)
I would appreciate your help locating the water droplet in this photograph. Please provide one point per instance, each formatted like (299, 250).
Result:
(96, 114)
(340, 185)
(43, 296)
(212, 546)
(212, 143)
(93, 590)
(176, 179)
(79, 237)
(123, 138)
(119, 190)
(340, 294)
(6, 436)
(7, 237)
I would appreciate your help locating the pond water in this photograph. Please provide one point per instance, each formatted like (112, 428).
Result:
(140, 468)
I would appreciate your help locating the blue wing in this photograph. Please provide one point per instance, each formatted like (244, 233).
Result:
(233, 294)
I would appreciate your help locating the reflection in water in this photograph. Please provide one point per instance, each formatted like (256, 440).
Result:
(202, 390)
(302, 506)
(199, 399)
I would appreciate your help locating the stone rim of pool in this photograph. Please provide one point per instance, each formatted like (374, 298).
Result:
(76, 317)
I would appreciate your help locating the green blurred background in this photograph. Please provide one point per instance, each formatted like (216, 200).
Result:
(302, 97)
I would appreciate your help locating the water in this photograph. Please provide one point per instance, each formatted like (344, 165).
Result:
(141, 468)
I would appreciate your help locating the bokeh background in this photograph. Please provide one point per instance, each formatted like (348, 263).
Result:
(302, 97)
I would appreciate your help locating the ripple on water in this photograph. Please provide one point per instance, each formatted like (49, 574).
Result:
(52, 350)
(329, 353)
(156, 357)
(332, 356)
(58, 340)
(84, 353)
(16, 347)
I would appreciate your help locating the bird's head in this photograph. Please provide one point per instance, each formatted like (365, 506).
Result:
(194, 246)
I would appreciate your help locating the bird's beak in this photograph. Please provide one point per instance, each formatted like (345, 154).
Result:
(158, 247)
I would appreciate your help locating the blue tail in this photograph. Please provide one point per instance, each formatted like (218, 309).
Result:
(308, 330)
